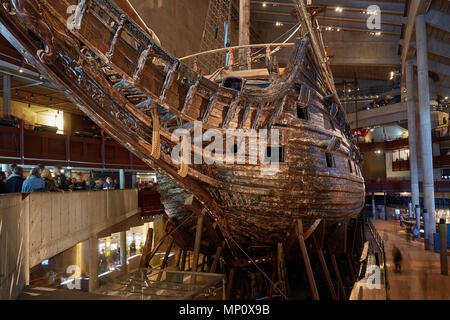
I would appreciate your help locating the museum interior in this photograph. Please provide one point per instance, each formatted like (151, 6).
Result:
(224, 150)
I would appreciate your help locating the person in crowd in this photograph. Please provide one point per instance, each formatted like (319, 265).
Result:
(7, 174)
(60, 179)
(397, 259)
(99, 185)
(109, 184)
(34, 183)
(15, 181)
(103, 262)
(2, 182)
(78, 184)
(12, 167)
(116, 184)
(116, 257)
(90, 183)
(49, 183)
(132, 249)
(41, 167)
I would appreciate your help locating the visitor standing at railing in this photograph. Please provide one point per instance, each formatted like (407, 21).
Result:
(34, 183)
(60, 179)
(49, 183)
(15, 181)
(109, 184)
(2, 182)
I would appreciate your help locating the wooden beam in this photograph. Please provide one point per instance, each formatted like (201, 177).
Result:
(183, 260)
(244, 26)
(147, 249)
(165, 260)
(309, 272)
(281, 267)
(325, 269)
(198, 239)
(230, 282)
(216, 258)
(338, 275)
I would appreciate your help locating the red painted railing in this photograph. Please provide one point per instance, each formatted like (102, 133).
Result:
(384, 146)
(402, 186)
(30, 148)
(438, 162)
(150, 202)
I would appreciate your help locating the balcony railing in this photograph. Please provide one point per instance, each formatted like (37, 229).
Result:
(30, 147)
(438, 162)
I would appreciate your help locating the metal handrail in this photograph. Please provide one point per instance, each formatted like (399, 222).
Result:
(380, 243)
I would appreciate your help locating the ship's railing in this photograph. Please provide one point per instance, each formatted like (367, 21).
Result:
(380, 244)
(233, 62)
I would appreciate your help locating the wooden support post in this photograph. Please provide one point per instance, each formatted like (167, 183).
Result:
(309, 272)
(252, 290)
(198, 239)
(230, 282)
(230, 60)
(177, 257)
(216, 259)
(338, 275)
(203, 264)
(166, 256)
(183, 260)
(322, 241)
(274, 273)
(345, 236)
(165, 260)
(147, 249)
(350, 267)
(282, 277)
(189, 261)
(354, 236)
(443, 246)
(244, 27)
(325, 269)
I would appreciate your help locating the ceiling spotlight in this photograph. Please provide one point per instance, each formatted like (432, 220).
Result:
(278, 24)
(338, 9)
(264, 4)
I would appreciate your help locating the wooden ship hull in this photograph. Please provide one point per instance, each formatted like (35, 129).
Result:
(118, 74)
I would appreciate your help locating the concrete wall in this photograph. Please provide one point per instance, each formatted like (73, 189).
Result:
(14, 248)
(178, 24)
(46, 224)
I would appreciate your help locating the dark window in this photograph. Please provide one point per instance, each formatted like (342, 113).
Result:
(302, 113)
(274, 154)
(330, 160)
(235, 148)
(350, 166)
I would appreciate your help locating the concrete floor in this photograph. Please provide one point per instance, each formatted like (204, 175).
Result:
(421, 277)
